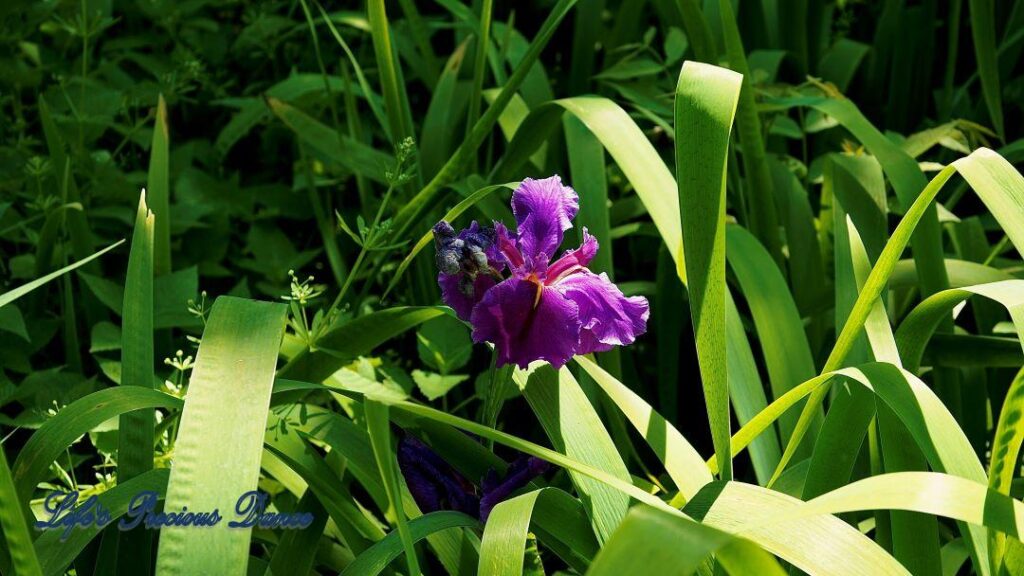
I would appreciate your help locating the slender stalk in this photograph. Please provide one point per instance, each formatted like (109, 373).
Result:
(480, 65)
(362, 253)
(85, 66)
(413, 210)
(492, 403)
(953, 45)
(323, 67)
(356, 133)
(323, 222)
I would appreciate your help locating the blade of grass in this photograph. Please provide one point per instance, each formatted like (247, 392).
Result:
(371, 97)
(159, 190)
(358, 529)
(999, 186)
(698, 32)
(760, 197)
(851, 416)
(217, 454)
(681, 460)
(342, 150)
(15, 293)
(787, 353)
(419, 30)
(961, 499)
(395, 104)
(19, 552)
(1006, 443)
(573, 426)
(52, 226)
(706, 99)
(344, 343)
(586, 32)
(503, 544)
(379, 428)
(906, 177)
(669, 298)
(58, 554)
(481, 45)
(914, 537)
(793, 31)
(652, 542)
(917, 328)
(805, 266)
(819, 545)
(136, 430)
(435, 132)
(746, 390)
(807, 550)
(77, 223)
(983, 32)
(296, 551)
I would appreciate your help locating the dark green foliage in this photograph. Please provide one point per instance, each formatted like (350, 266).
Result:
(798, 187)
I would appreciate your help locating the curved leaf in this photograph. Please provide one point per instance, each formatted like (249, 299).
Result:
(345, 343)
(682, 461)
(14, 294)
(819, 545)
(653, 542)
(58, 553)
(74, 420)
(376, 558)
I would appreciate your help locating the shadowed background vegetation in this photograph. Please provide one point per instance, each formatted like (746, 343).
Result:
(857, 342)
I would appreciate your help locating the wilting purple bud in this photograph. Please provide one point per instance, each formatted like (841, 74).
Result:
(520, 473)
(467, 286)
(479, 238)
(449, 248)
(477, 257)
(443, 230)
(433, 483)
(448, 260)
(469, 263)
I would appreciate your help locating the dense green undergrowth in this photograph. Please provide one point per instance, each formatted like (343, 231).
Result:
(819, 201)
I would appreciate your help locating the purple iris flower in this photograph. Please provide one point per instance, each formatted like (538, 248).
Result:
(544, 310)
(435, 485)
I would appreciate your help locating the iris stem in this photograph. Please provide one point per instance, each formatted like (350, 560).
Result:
(491, 405)
(362, 251)
(495, 395)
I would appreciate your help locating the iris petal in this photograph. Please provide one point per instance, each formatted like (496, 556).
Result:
(506, 246)
(608, 318)
(544, 210)
(574, 259)
(453, 295)
(524, 327)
